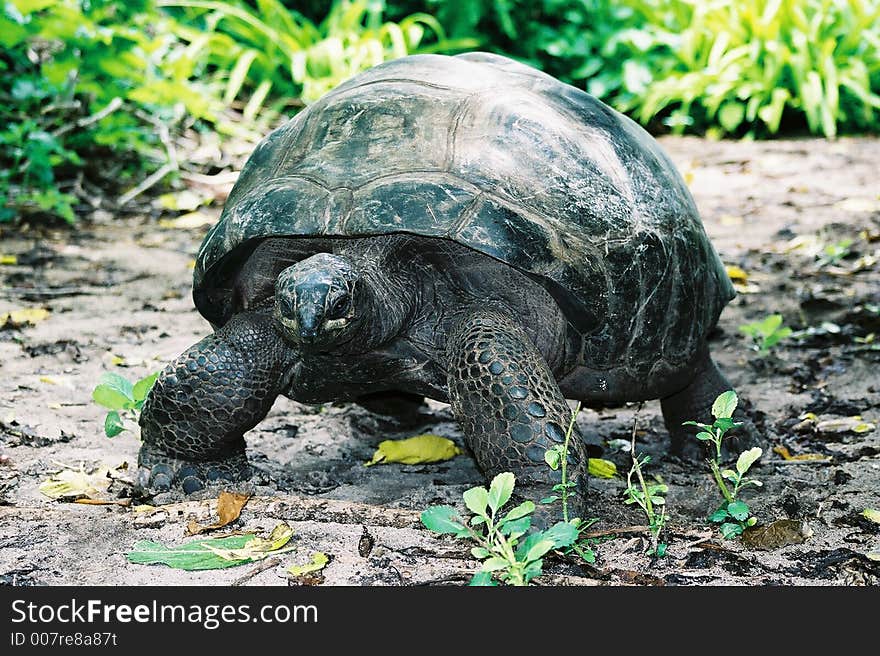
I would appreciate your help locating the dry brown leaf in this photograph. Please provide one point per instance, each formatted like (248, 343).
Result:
(780, 533)
(229, 505)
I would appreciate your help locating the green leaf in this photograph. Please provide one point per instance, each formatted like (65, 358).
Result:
(318, 561)
(520, 526)
(871, 514)
(482, 579)
(724, 424)
(561, 534)
(549, 499)
(552, 458)
(533, 570)
(724, 405)
(538, 549)
(731, 115)
(730, 530)
(119, 383)
(113, 425)
(719, 515)
(191, 556)
(661, 549)
(738, 510)
(747, 459)
(479, 552)
(500, 490)
(442, 519)
(705, 437)
(143, 386)
(109, 397)
(523, 509)
(729, 474)
(494, 563)
(476, 499)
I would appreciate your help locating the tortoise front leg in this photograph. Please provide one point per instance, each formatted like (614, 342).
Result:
(510, 406)
(194, 419)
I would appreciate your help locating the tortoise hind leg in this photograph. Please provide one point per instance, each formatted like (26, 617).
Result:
(195, 416)
(510, 407)
(694, 403)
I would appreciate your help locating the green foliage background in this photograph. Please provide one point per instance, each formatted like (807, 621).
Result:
(93, 92)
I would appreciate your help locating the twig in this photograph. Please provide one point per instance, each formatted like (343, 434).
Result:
(147, 183)
(170, 166)
(111, 107)
(261, 567)
(615, 531)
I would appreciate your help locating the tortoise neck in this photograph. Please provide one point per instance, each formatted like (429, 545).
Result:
(385, 300)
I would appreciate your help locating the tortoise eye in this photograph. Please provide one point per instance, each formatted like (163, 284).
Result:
(339, 307)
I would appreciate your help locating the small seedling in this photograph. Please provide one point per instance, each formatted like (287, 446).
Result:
(767, 333)
(557, 458)
(647, 496)
(508, 554)
(733, 515)
(123, 399)
(834, 253)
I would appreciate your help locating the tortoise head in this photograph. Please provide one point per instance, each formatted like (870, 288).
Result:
(316, 301)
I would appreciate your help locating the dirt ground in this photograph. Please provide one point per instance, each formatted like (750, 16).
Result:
(118, 295)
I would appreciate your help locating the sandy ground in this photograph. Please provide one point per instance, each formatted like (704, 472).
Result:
(118, 296)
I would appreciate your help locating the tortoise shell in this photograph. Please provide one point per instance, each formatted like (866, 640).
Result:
(506, 160)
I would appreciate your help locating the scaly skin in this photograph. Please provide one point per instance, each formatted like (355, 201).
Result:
(194, 419)
(694, 403)
(510, 407)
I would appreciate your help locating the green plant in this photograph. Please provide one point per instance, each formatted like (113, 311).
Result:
(86, 81)
(557, 458)
(266, 47)
(740, 68)
(734, 515)
(508, 554)
(766, 333)
(832, 254)
(647, 496)
(123, 399)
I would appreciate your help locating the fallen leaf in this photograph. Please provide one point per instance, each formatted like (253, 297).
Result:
(786, 455)
(8, 259)
(858, 205)
(48, 380)
(601, 468)
(736, 274)
(780, 533)
(189, 221)
(415, 450)
(229, 505)
(185, 201)
(214, 553)
(731, 220)
(144, 508)
(872, 514)
(873, 555)
(853, 424)
(19, 318)
(259, 547)
(316, 564)
(76, 483)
